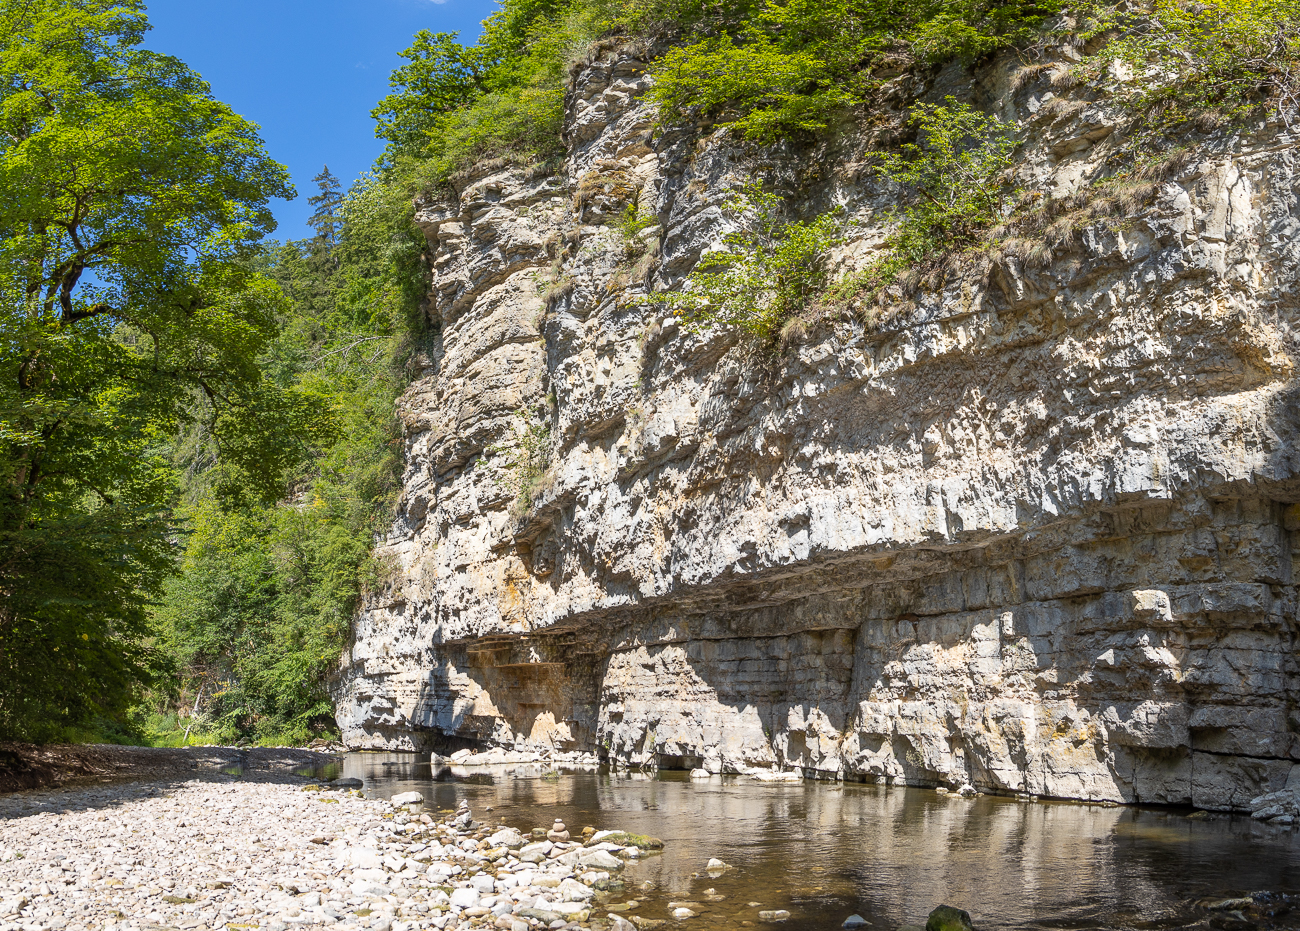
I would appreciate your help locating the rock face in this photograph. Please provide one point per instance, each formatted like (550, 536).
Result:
(1034, 534)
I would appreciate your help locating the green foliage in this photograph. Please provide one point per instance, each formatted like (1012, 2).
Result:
(631, 224)
(957, 171)
(131, 204)
(788, 68)
(325, 206)
(453, 104)
(774, 92)
(770, 69)
(1227, 57)
(767, 271)
(260, 612)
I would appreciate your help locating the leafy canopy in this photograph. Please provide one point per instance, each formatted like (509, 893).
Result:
(453, 104)
(778, 69)
(130, 203)
(956, 171)
(956, 174)
(257, 618)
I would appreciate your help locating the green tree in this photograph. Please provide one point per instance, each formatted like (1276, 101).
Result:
(1229, 57)
(957, 175)
(454, 104)
(131, 204)
(786, 67)
(325, 206)
(258, 615)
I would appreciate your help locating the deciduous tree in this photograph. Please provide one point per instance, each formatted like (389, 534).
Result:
(131, 202)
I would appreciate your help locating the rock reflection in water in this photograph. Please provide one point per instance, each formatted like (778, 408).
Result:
(824, 851)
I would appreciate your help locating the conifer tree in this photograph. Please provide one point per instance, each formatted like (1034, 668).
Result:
(325, 221)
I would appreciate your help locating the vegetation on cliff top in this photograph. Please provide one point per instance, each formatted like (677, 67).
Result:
(777, 69)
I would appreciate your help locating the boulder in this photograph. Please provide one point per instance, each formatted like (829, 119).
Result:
(544, 915)
(407, 798)
(947, 918)
(365, 858)
(1277, 807)
(464, 898)
(600, 860)
(507, 837)
(573, 891)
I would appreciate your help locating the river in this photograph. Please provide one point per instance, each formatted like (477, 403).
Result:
(824, 851)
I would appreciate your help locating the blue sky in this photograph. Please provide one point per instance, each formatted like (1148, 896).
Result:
(307, 71)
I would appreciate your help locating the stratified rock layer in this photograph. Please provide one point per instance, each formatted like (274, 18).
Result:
(1034, 534)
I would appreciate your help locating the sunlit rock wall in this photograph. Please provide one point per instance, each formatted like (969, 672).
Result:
(1034, 533)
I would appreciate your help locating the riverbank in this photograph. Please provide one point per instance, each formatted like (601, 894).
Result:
(31, 766)
(274, 851)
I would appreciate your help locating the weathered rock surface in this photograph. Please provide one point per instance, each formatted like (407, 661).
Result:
(1034, 534)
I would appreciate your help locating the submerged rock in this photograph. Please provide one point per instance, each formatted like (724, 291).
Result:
(625, 839)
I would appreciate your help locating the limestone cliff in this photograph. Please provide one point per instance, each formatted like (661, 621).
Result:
(1033, 533)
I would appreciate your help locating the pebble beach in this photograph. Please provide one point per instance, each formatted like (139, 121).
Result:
(250, 853)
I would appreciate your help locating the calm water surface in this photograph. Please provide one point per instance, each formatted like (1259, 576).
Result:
(890, 854)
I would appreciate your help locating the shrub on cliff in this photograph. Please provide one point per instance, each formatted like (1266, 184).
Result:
(1183, 62)
(769, 269)
(956, 177)
(454, 104)
(784, 68)
(956, 172)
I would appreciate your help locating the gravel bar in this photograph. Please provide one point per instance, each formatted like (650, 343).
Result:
(265, 852)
